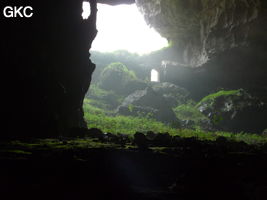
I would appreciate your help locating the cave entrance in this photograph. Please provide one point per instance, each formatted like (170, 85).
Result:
(86, 10)
(122, 52)
(122, 27)
(154, 76)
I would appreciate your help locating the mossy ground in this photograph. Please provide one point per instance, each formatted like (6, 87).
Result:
(107, 122)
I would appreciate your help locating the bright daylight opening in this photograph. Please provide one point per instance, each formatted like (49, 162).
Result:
(154, 75)
(123, 28)
(86, 10)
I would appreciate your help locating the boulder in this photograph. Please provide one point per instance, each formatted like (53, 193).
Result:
(235, 111)
(151, 135)
(162, 139)
(172, 93)
(148, 103)
(95, 133)
(140, 140)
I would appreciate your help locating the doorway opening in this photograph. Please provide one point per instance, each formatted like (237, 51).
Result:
(154, 76)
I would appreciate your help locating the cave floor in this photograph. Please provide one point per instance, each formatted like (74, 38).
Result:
(79, 169)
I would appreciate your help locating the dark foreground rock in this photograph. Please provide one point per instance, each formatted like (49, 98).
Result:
(194, 170)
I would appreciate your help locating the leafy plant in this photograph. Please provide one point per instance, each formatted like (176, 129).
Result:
(131, 107)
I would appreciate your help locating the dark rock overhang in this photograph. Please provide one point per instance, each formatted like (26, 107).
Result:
(201, 29)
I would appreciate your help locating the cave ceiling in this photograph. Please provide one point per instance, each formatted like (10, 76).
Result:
(201, 29)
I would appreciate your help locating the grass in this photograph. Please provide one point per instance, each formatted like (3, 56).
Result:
(104, 120)
(248, 138)
(124, 124)
(93, 107)
(99, 118)
(189, 112)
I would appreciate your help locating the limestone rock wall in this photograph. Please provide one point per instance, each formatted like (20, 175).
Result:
(199, 29)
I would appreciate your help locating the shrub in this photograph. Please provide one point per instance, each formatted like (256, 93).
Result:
(115, 77)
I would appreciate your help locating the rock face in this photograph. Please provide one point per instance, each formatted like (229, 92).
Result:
(200, 29)
(231, 70)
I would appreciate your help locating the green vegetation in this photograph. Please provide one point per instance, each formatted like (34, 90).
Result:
(120, 68)
(131, 107)
(213, 96)
(98, 118)
(98, 92)
(116, 80)
(104, 120)
(102, 98)
(115, 77)
(93, 107)
(189, 111)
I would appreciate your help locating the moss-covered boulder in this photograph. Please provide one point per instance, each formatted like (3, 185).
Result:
(235, 110)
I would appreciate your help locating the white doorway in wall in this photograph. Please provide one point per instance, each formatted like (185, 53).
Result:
(154, 76)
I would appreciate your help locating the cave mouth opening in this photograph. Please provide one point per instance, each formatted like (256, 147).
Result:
(123, 27)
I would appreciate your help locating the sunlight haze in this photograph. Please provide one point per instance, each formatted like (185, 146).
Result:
(124, 28)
